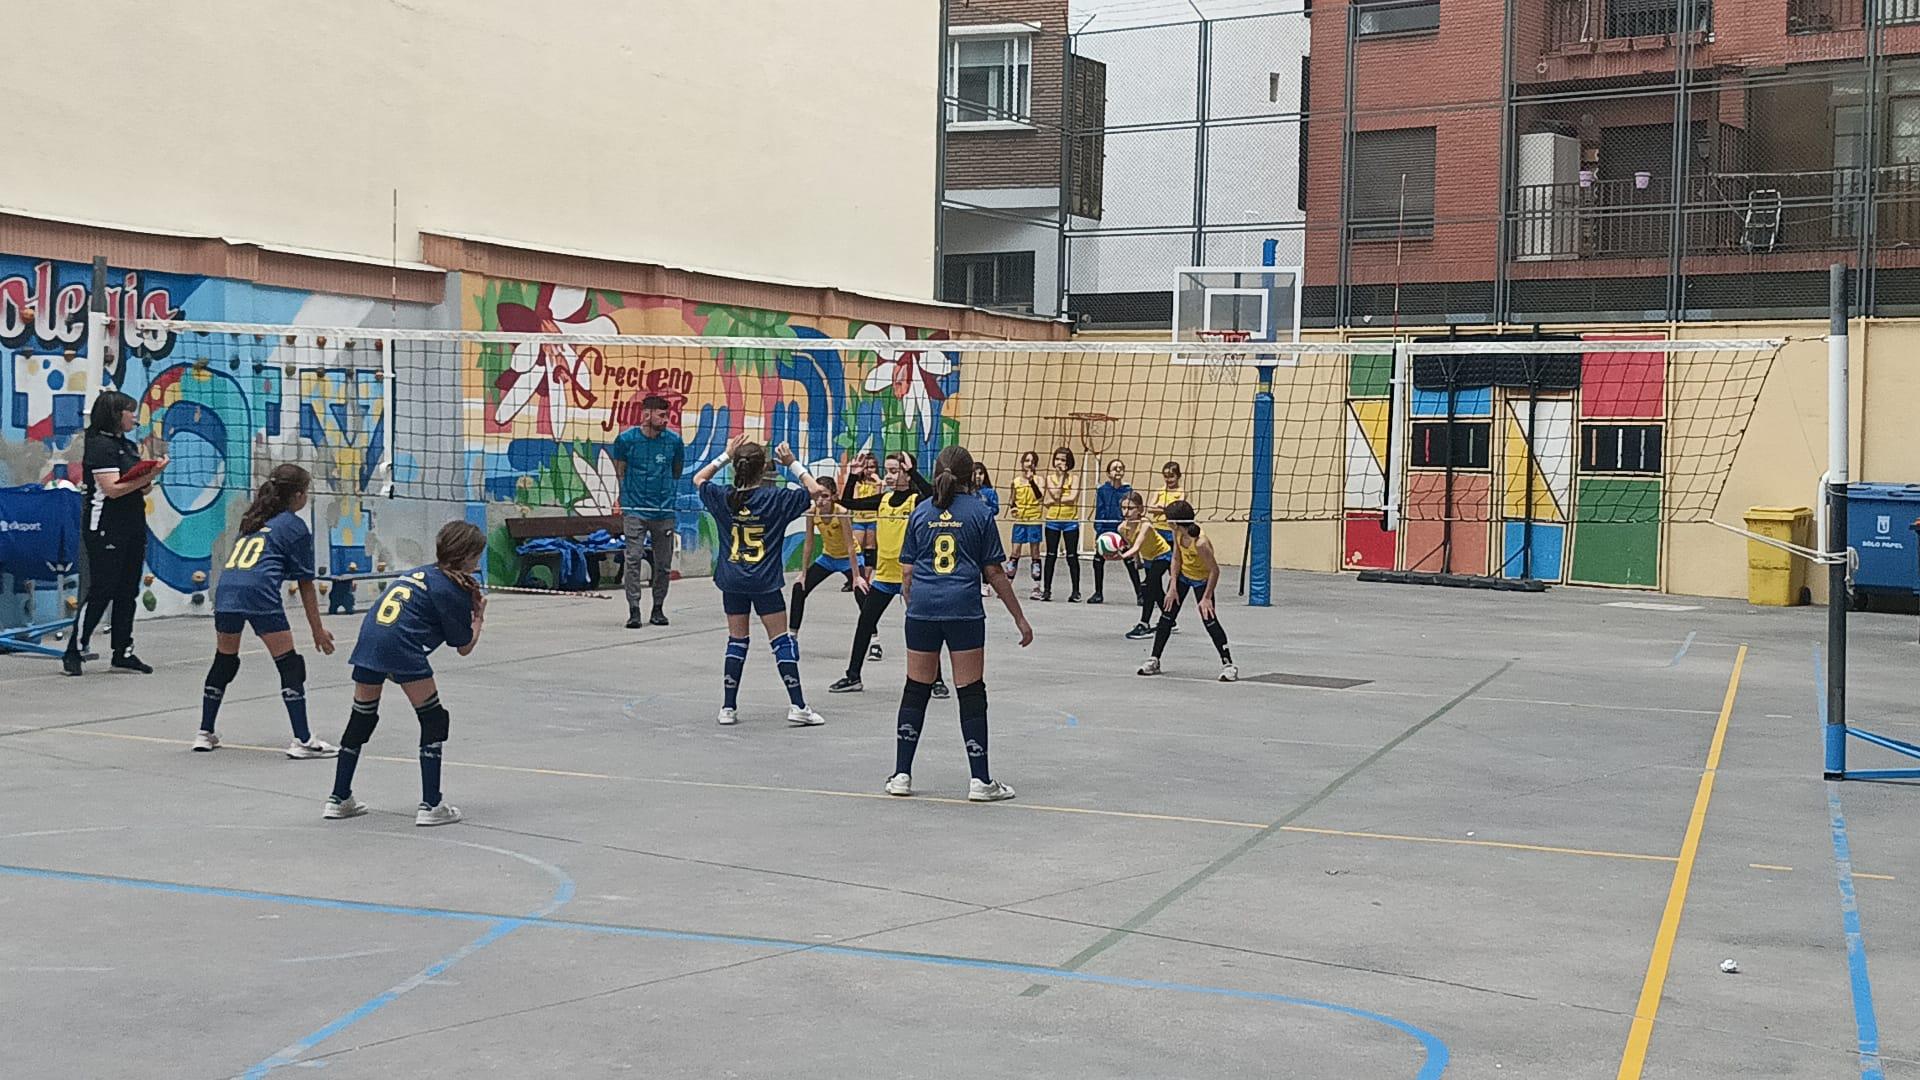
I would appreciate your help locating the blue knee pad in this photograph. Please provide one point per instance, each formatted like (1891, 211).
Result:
(785, 649)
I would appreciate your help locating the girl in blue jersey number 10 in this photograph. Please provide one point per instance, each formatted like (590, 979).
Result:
(420, 611)
(952, 544)
(752, 518)
(274, 547)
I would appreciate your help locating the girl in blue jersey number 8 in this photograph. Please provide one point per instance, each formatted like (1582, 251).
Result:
(752, 517)
(952, 544)
(421, 610)
(273, 548)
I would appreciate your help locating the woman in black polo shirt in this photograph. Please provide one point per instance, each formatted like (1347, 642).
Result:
(115, 529)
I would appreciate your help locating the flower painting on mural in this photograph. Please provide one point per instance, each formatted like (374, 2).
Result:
(913, 375)
(595, 472)
(552, 379)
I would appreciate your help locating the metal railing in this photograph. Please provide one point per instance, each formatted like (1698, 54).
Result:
(1724, 214)
(1827, 16)
(1572, 22)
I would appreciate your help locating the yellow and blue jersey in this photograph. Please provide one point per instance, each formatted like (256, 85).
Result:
(419, 611)
(836, 536)
(261, 562)
(1153, 549)
(948, 550)
(1193, 566)
(1067, 510)
(752, 538)
(890, 533)
(865, 489)
(1028, 506)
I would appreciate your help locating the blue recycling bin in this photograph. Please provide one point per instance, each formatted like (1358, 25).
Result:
(1880, 520)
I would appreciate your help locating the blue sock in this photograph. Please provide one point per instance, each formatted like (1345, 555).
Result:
(913, 717)
(736, 666)
(786, 654)
(973, 729)
(360, 725)
(429, 774)
(293, 691)
(225, 666)
(210, 706)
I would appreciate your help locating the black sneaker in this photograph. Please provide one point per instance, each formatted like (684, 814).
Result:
(1073, 598)
(1096, 598)
(940, 690)
(659, 618)
(874, 652)
(633, 618)
(128, 662)
(847, 685)
(70, 663)
(1139, 631)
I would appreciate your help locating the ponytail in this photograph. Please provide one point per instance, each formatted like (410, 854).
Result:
(283, 485)
(952, 474)
(749, 471)
(459, 543)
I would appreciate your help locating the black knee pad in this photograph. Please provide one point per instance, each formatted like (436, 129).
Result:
(225, 667)
(293, 670)
(917, 695)
(360, 725)
(433, 721)
(973, 698)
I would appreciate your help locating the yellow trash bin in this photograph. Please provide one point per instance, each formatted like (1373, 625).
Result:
(1774, 577)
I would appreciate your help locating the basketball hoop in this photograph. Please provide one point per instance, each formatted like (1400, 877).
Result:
(1223, 366)
(1096, 431)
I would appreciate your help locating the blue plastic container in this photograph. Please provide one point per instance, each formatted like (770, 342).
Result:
(1880, 521)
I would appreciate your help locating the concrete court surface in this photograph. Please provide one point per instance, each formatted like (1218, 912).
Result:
(1463, 866)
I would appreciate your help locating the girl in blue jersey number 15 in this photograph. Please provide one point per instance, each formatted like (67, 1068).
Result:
(274, 547)
(952, 544)
(421, 610)
(752, 518)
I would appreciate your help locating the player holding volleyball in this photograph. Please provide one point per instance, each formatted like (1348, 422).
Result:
(421, 610)
(1029, 509)
(1147, 556)
(274, 547)
(752, 518)
(838, 555)
(951, 547)
(1198, 572)
(1107, 501)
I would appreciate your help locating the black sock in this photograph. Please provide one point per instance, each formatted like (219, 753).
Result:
(225, 666)
(973, 729)
(430, 773)
(1219, 635)
(293, 692)
(1161, 632)
(913, 717)
(1073, 567)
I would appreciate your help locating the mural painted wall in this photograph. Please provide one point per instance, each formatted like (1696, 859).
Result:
(540, 419)
(225, 410)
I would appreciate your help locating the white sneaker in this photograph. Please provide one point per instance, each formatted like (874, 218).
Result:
(993, 791)
(444, 814)
(729, 717)
(206, 741)
(1230, 673)
(1151, 667)
(346, 808)
(986, 590)
(804, 716)
(312, 748)
(1037, 593)
(899, 784)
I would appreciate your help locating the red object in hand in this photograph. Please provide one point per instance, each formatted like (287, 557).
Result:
(139, 470)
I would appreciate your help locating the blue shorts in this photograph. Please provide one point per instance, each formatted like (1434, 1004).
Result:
(366, 676)
(1167, 535)
(1063, 526)
(232, 622)
(888, 587)
(958, 635)
(838, 566)
(1197, 588)
(764, 604)
(1027, 533)
(866, 531)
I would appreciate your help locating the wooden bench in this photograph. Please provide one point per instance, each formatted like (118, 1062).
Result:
(570, 527)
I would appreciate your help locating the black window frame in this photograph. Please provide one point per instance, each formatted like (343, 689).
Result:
(1376, 215)
(1000, 263)
(1472, 449)
(1606, 446)
(1395, 18)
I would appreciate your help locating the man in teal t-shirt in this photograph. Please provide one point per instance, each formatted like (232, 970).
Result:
(648, 460)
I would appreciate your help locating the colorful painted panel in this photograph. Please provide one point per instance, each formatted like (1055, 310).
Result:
(1617, 385)
(1428, 545)
(1367, 544)
(1367, 453)
(1370, 376)
(1534, 551)
(1433, 403)
(1616, 534)
(1550, 464)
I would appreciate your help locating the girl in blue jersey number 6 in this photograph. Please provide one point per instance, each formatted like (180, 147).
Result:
(952, 545)
(274, 547)
(752, 517)
(420, 611)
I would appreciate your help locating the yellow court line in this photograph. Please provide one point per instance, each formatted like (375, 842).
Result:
(1875, 877)
(1768, 866)
(1634, 1059)
(1128, 815)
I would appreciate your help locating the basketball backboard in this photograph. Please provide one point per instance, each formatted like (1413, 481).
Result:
(1261, 301)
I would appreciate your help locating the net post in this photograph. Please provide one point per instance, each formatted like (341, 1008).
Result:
(1399, 407)
(1837, 476)
(1260, 506)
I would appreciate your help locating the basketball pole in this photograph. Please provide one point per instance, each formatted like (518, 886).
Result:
(1837, 474)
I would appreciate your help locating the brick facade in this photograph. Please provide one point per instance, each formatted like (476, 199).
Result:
(1015, 159)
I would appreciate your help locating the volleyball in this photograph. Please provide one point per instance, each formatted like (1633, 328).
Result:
(1109, 545)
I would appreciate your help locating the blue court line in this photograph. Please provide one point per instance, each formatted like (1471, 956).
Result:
(1434, 1059)
(1684, 646)
(1864, 1020)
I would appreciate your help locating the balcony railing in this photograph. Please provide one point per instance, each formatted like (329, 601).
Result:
(1575, 22)
(1723, 214)
(1827, 16)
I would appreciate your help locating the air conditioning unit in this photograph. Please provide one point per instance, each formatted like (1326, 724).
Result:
(1547, 186)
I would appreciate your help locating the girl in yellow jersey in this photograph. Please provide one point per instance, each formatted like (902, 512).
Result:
(1063, 524)
(1148, 554)
(1029, 509)
(1172, 491)
(838, 555)
(863, 482)
(1196, 572)
(905, 487)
